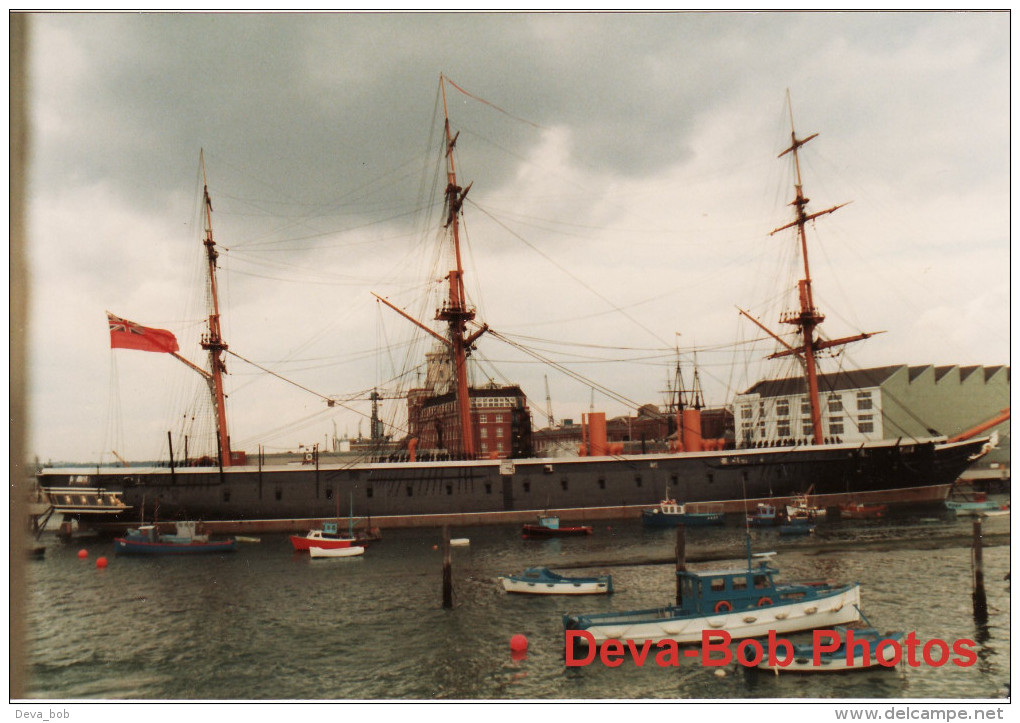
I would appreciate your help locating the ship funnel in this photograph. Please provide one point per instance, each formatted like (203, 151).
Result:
(692, 430)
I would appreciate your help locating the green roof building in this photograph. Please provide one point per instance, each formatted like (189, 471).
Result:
(909, 402)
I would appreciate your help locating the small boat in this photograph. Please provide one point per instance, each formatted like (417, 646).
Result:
(799, 508)
(148, 540)
(744, 602)
(549, 526)
(328, 552)
(865, 653)
(796, 527)
(670, 514)
(329, 537)
(861, 511)
(764, 516)
(543, 581)
(979, 507)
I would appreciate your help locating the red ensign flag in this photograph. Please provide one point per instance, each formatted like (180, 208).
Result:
(126, 334)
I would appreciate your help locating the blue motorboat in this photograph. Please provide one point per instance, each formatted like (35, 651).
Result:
(670, 514)
(148, 540)
(764, 516)
(743, 602)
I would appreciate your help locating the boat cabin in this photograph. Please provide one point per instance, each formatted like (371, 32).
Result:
(550, 522)
(145, 533)
(671, 507)
(706, 592)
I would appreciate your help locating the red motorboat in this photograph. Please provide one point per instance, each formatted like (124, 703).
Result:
(861, 511)
(549, 526)
(329, 537)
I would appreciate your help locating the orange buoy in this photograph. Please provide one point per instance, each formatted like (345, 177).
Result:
(82, 554)
(518, 643)
(100, 563)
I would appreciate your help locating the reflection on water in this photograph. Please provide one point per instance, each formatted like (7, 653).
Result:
(266, 623)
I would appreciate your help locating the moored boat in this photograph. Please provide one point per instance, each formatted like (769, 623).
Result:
(668, 513)
(977, 507)
(862, 511)
(800, 508)
(765, 515)
(549, 526)
(148, 540)
(331, 552)
(328, 538)
(867, 649)
(743, 602)
(543, 581)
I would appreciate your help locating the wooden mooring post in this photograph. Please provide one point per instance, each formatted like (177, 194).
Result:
(681, 559)
(977, 563)
(447, 570)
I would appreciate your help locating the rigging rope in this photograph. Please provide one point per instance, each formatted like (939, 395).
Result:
(492, 105)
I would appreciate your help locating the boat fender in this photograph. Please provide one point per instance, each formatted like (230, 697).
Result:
(762, 602)
(723, 606)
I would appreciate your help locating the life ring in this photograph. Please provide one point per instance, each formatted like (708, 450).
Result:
(723, 606)
(762, 602)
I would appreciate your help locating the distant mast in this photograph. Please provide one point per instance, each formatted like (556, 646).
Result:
(808, 317)
(213, 341)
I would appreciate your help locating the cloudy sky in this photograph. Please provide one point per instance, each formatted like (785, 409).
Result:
(625, 181)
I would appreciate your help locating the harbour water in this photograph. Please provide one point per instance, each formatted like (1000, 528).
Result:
(266, 623)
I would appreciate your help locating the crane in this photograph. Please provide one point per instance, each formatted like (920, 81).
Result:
(548, 404)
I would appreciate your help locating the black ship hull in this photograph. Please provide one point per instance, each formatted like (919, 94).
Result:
(425, 493)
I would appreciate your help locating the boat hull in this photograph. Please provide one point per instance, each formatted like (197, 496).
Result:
(826, 610)
(540, 531)
(554, 588)
(335, 552)
(301, 543)
(805, 661)
(654, 518)
(977, 508)
(122, 546)
(919, 472)
(542, 581)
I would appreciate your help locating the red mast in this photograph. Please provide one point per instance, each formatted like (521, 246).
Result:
(213, 340)
(808, 317)
(456, 311)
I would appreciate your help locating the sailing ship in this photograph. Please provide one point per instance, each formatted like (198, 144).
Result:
(427, 489)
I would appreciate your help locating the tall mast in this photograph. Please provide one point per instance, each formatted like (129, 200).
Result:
(808, 318)
(213, 340)
(455, 310)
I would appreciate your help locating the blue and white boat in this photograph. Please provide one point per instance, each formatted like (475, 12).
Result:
(869, 649)
(980, 507)
(543, 581)
(764, 516)
(670, 514)
(148, 540)
(745, 602)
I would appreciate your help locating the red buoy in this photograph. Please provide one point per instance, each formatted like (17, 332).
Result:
(82, 554)
(100, 563)
(518, 643)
